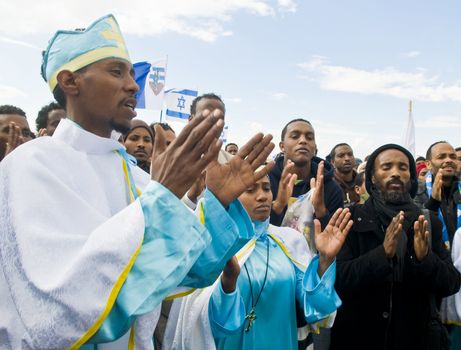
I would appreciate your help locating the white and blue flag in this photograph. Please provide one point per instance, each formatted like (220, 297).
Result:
(178, 103)
(151, 80)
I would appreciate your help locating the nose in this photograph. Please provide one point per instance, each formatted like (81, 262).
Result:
(131, 84)
(261, 196)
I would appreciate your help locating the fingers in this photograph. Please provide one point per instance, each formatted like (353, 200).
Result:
(159, 142)
(211, 155)
(319, 177)
(292, 179)
(317, 227)
(42, 132)
(334, 218)
(344, 219)
(191, 125)
(264, 171)
(261, 150)
(248, 147)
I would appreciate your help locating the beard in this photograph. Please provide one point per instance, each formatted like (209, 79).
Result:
(395, 196)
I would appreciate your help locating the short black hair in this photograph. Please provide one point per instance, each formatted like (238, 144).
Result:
(210, 95)
(165, 126)
(284, 130)
(42, 118)
(10, 109)
(59, 96)
(333, 150)
(420, 159)
(230, 144)
(359, 179)
(457, 149)
(429, 150)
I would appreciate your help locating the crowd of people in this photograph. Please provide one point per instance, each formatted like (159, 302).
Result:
(117, 234)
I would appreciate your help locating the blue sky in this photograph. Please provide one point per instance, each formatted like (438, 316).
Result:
(350, 67)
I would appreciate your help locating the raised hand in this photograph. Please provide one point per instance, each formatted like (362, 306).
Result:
(421, 238)
(329, 241)
(287, 182)
(180, 164)
(318, 199)
(393, 231)
(437, 186)
(229, 275)
(14, 138)
(228, 181)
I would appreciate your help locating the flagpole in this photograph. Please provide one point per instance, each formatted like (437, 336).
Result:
(164, 88)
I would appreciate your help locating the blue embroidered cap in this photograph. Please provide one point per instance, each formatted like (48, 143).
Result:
(76, 49)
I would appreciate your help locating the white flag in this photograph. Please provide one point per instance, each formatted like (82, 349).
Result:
(409, 138)
(151, 79)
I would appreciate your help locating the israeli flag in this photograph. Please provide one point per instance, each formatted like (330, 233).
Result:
(178, 103)
(151, 80)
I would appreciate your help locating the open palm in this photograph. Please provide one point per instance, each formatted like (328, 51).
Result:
(331, 239)
(228, 181)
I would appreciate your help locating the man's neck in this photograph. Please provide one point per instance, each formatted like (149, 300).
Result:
(303, 172)
(344, 177)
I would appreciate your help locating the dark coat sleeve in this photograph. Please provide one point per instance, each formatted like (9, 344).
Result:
(354, 271)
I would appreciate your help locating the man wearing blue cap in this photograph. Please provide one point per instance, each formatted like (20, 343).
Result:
(89, 244)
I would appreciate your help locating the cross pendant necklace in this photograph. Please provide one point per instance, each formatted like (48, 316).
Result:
(251, 316)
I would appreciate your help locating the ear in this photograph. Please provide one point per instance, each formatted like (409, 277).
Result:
(373, 179)
(282, 148)
(68, 82)
(428, 164)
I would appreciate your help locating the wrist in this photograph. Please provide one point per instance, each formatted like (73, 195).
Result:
(228, 285)
(320, 211)
(324, 263)
(277, 207)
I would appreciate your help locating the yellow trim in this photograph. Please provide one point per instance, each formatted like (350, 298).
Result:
(285, 250)
(251, 245)
(201, 212)
(110, 302)
(131, 341)
(180, 295)
(127, 179)
(456, 323)
(88, 58)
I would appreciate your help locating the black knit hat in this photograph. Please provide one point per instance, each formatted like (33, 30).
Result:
(371, 162)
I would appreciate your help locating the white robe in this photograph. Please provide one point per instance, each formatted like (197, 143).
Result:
(69, 236)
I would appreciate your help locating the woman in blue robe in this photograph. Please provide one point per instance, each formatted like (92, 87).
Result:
(252, 305)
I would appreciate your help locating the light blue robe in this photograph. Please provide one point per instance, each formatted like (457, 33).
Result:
(275, 326)
(170, 257)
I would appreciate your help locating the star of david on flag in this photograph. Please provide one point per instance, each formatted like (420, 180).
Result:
(178, 103)
(151, 80)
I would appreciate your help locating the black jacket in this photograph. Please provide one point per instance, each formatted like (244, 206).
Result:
(378, 313)
(332, 192)
(451, 197)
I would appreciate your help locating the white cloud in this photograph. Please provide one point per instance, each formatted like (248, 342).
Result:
(279, 96)
(411, 54)
(10, 92)
(287, 5)
(389, 81)
(201, 19)
(18, 42)
(439, 122)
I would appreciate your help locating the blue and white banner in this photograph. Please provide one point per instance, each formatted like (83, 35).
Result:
(151, 80)
(178, 103)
